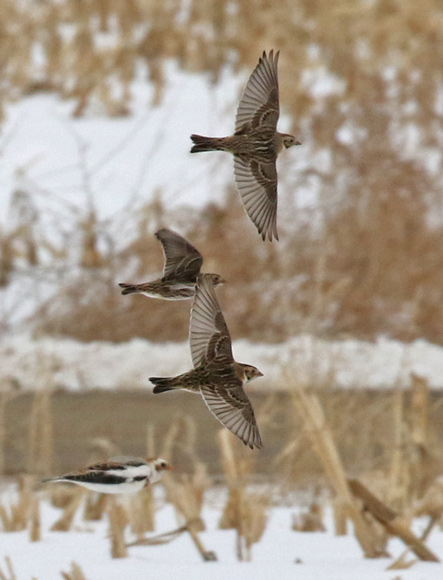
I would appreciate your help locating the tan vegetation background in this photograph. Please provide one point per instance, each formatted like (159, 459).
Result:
(366, 259)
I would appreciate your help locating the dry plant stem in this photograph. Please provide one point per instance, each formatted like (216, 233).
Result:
(400, 561)
(309, 408)
(118, 521)
(35, 534)
(389, 519)
(141, 512)
(4, 398)
(19, 513)
(41, 443)
(340, 517)
(310, 521)
(64, 523)
(95, 507)
(419, 409)
(399, 473)
(10, 570)
(76, 573)
(159, 539)
(207, 555)
(169, 440)
(245, 512)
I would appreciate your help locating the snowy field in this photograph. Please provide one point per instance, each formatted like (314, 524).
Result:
(34, 364)
(281, 553)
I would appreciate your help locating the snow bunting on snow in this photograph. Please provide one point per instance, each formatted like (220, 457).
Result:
(256, 145)
(182, 266)
(216, 375)
(118, 475)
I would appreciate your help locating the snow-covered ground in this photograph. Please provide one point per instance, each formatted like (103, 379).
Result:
(28, 364)
(59, 159)
(281, 553)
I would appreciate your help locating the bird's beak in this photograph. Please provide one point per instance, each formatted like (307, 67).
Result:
(170, 468)
(260, 374)
(297, 143)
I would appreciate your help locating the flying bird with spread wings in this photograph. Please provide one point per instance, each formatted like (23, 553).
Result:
(182, 266)
(118, 475)
(256, 145)
(216, 376)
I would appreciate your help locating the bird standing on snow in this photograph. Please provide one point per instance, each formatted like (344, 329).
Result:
(216, 375)
(256, 145)
(182, 266)
(118, 475)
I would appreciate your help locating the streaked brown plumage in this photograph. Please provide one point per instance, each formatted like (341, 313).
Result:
(256, 145)
(182, 266)
(216, 375)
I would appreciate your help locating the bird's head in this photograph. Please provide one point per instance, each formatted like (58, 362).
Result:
(161, 465)
(251, 372)
(289, 141)
(216, 280)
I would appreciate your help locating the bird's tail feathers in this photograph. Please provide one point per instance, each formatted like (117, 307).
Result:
(206, 144)
(52, 479)
(128, 288)
(163, 384)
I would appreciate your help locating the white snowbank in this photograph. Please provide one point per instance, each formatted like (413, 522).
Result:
(33, 364)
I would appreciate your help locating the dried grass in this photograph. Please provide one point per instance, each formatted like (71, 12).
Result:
(245, 511)
(118, 520)
(324, 445)
(9, 574)
(95, 507)
(187, 494)
(141, 512)
(17, 515)
(76, 573)
(66, 520)
(40, 449)
(375, 264)
(35, 525)
(311, 520)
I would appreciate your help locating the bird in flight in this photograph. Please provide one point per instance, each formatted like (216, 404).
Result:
(256, 145)
(216, 376)
(182, 266)
(118, 475)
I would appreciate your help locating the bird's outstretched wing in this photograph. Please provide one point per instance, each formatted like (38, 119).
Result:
(259, 104)
(182, 260)
(230, 405)
(208, 333)
(257, 185)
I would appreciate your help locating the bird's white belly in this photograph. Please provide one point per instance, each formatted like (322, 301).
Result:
(114, 488)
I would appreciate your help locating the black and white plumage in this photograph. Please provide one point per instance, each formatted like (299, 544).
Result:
(118, 475)
(216, 375)
(256, 145)
(182, 266)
